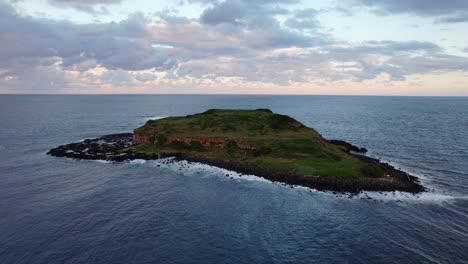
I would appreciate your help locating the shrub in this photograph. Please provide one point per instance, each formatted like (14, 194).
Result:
(228, 127)
(179, 145)
(161, 140)
(211, 111)
(283, 122)
(196, 146)
(264, 150)
(231, 146)
(371, 171)
(264, 110)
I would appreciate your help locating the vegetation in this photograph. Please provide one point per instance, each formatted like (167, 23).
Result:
(258, 137)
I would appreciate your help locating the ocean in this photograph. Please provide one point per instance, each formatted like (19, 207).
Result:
(59, 210)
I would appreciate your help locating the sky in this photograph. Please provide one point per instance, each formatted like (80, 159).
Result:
(329, 47)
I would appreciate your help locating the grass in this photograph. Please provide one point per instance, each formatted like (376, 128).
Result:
(148, 149)
(280, 142)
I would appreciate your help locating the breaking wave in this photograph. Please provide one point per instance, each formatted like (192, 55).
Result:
(147, 118)
(195, 168)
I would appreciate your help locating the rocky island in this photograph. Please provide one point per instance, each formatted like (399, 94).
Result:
(259, 142)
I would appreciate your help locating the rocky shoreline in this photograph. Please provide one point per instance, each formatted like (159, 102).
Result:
(115, 148)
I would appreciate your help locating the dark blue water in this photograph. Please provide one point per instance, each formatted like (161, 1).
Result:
(56, 210)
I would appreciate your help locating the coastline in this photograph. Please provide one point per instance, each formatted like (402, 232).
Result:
(112, 148)
(396, 180)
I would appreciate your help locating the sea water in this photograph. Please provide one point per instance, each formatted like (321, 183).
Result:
(59, 210)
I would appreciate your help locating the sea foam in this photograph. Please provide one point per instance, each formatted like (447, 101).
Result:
(147, 118)
(138, 161)
(199, 169)
(196, 168)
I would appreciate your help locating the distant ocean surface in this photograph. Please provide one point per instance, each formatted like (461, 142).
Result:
(58, 210)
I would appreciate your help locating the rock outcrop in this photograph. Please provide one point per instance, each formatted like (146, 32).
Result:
(204, 141)
(273, 146)
(117, 148)
(348, 146)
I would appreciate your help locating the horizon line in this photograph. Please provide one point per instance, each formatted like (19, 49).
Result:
(234, 94)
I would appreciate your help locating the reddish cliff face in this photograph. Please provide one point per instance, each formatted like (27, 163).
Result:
(140, 139)
(206, 142)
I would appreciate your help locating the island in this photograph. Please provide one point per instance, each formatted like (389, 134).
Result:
(258, 142)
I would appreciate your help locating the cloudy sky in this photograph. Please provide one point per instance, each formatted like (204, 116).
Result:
(398, 47)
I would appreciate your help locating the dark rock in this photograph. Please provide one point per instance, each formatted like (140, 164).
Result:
(348, 146)
(103, 148)
(113, 148)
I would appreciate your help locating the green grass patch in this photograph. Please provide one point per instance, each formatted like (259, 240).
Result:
(148, 149)
(280, 142)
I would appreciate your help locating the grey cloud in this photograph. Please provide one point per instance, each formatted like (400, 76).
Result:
(250, 46)
(358, 63)
(382, 46)
(145, 77)
(306, 13)
(27, 42)
(404, 58)
(225, 12)
(44, 78)
(125, 78)
(304, 19)
(459, 18)
(387, 48)
(419, 7)
(422, 65)
(453, 11)
(117, 76)
(255, 24)
(254, 34)
(242, 11)
(89, 6)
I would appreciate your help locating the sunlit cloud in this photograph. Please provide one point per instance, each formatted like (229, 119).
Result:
(232, 47)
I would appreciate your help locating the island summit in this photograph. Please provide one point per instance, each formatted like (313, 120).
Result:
(259, 142)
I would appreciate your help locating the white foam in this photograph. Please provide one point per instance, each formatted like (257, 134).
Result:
(424, 197)
(154, 117)
(103, 161)
(398, 166)
(194, 168)
(138, 161)
(391, 197)
(423, 179)
(190, 168)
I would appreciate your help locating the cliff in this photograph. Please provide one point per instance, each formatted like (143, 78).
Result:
(259, 142)
(259, 138)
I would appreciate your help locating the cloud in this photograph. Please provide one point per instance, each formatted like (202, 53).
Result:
(226, 12)
(396, 59)
(304, 19)
(259, 42)
(255, 23)
(111, 45)
(145, 77)
(419, 7)
(365, 61)
(226, 35)
(89, 6)
(31, 45)
(454, 11)
(242, 11)
(458, 18)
